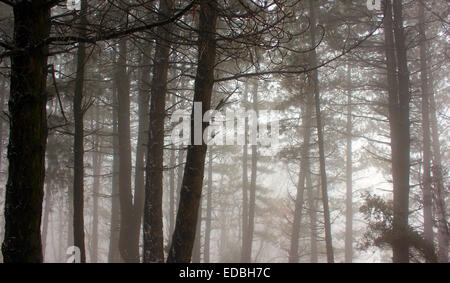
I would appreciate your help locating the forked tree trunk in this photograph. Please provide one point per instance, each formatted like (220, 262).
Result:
(191, 189)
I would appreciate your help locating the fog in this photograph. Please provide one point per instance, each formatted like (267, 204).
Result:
(217, 131)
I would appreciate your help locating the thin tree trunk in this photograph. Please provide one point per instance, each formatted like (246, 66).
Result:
(438, 181)
(114, 253)
(142, 141)
(172, 189)
(348, 173)
(45, 217)
(196, 251)
(28, 134)
(244, 220)
(191, 190)
(323, 173)
(426, 140)
(207, 247)
(97, 169)
(78, 146)
(312, 217)
(153, 216)
(304, 168)
(247, 248)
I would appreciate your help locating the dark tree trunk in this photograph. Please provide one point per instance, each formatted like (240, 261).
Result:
(426, 139)
(304, 169)
(323, 172)
(348, 174)
(207, 247)
(153, 216)
(28, 134)
(191, 189)
(78, 146)
(129, 237)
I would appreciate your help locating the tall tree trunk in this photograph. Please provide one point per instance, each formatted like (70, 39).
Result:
(142, 140)
(196, 251)
(399, 122)
(78, 145)
(97, 169)
(323, 172)
(246, 256)
(114, 253)
(128, 246)
(191, 189)
(180, 172)
(207, 247)
(244, 224)
(172, 189)
(426, 141)
(304, 169)
(312, 218)
(52, 167)
(28, 134)
(153, 216)
(438, 181)
(349, 173)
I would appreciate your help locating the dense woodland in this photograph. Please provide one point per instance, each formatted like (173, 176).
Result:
(360, 173)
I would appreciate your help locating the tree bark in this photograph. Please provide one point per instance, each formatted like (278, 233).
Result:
(191, 190)
(28, 134)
